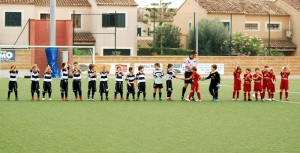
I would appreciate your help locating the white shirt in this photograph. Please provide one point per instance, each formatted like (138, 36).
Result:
(158, 74)
(189, 62)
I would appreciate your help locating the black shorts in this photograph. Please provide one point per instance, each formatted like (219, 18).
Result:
(92, 86)
(142, 87)
(103, 86)
(12, 86)
(35, 86)
(76, 85)
(157, 85)
(64, 85)
(119, 87)
(47, 87)
(169, 85)
(187, 75)
(130, 89)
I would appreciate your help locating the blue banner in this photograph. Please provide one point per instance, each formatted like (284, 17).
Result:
(7, 56)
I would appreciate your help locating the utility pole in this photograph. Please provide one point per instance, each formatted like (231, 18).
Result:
(197, 26)
(52, 23)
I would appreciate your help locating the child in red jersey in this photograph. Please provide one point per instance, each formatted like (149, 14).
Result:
(237, 82)
(266, 81)
(284, 84)
(257, 77)
(247, 84)
(195, 77)
(272, 86)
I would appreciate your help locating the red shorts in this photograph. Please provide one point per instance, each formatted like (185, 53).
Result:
(195, 87)
(266, 85)
(272, 87)
(247, 87)
(257, 87)
(237, 86)
(284, 85)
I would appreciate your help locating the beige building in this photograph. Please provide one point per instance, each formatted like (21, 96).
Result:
(93, 20)
(247, 16)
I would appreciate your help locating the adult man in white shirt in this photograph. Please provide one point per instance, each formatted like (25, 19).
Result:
(189, 63)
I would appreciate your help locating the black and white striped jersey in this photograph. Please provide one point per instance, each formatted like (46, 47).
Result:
(35, 75)
(170, 75)
(119, 76)
(13, 75)
(140, 76)
(47, 77)
(64, 73)
(158, 75)
(91, 75)
(130, 78)
(189, 62)
(76, 75)
(103, 76)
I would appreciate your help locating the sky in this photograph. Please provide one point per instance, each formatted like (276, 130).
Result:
(144, 3)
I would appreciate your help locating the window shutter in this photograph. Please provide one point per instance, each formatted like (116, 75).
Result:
(105, 20)
(121, 22)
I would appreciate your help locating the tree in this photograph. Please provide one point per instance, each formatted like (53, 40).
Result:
(212, 34)
(167, 36)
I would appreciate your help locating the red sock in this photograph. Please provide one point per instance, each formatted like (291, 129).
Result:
(191, 95)
(199, 96)
(238, 95)
(249, 95)
(286, 95)
(245, 96)
(256, 95)
(261, 95)
(233, 95)
(280, 94)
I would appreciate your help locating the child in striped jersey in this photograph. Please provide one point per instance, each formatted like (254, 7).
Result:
(13, 85)
(140, 77)
(130, 84)
(119, 83)
(157, 74)
(64, 81)
(103, 83)
(47, 87)
(170, 76)
(77, 81)
(35, 86)
(92, 81)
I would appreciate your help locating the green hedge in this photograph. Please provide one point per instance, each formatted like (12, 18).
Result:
(166, 51)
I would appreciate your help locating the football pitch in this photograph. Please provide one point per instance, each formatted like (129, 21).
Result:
(148, 127)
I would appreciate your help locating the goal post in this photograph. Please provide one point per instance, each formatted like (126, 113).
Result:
(25, 55)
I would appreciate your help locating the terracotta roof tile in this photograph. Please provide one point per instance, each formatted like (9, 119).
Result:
(46, 2)
(116, 3)
(294, 3)
(287, 44)
(251, 7)
(84, 37)
(142, 43)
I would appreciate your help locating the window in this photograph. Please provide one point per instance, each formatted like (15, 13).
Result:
(273, 26)
(139, 31)
(118, 52)
(13, 19)
(112, 20)
(226, 24)
(45, 16)
(77, 20)
(190, 25)
(252, 26)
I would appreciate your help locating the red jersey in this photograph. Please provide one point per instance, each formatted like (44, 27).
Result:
(285, 75)
(273, 77)
(266, 75)
(237, 77)
(195, 77)
(247, 78)
(257, 78)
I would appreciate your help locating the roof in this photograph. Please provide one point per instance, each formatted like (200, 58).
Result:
(142, 43)
(141, 12)
(84, 39)
(250, 7)
(280, 44)
(116, 3)
(46, 2)
(293, 3)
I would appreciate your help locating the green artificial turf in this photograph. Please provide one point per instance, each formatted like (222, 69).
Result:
(153, 126)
